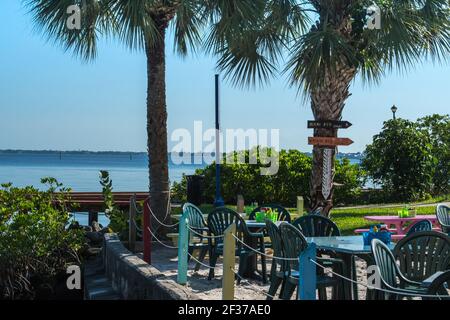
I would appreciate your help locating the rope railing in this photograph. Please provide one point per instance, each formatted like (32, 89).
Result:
(264, 254)
(204, 236)
(159, 241)
(167, 213)
(243, 280)
(402, 293)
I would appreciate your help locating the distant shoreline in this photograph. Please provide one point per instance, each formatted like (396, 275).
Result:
(350, 155)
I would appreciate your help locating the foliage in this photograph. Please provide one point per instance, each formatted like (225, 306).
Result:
(292, 180)
(321, 35)
(35, 244)
(438, 127)
(401, 160)
(118, 220)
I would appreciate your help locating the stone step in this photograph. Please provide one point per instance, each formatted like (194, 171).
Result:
(97, 286)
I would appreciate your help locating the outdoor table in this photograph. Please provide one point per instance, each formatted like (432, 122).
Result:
(401, 229)
(347, 248)
(250, 267)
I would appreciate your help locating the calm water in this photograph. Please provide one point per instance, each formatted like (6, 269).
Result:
(81, 171)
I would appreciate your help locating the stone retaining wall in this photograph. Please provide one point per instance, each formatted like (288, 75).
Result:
(134, 279)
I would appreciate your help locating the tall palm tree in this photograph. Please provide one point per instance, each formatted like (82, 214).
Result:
(142, 25)
(325, 57)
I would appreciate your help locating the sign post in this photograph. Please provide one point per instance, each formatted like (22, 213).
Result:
(329, 141)
(329, 124)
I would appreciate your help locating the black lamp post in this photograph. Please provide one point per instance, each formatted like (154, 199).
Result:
(394, 110)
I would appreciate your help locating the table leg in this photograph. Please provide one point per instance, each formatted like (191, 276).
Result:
(348, 273)
(250, 266)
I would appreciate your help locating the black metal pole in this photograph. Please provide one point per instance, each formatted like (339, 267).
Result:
(218, 201)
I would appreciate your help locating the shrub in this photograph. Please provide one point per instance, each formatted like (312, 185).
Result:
(35, 244)
(401, 160)
(292, 180)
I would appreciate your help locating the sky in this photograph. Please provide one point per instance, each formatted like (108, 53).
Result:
(51, 100)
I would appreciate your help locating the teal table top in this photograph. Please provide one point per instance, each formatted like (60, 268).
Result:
(350, 245)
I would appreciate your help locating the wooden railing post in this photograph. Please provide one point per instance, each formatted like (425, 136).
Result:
(300, 205)
(132, 225)
(147, 236)
(229, 254)
(183, 245)
(307, 274)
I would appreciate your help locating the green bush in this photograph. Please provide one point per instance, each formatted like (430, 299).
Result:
(35, 244)
(400, 159)
(292, 180)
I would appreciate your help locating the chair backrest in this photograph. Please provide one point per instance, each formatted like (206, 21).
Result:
(443, 215)
(424, 225)
(221, 218)
(317, 226)
(293, 244)
(277, 243)
(385, 261)
(194, 215)
(283, 214)
(422, 254)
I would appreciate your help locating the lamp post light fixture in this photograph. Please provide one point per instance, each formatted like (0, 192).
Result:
(394, 110)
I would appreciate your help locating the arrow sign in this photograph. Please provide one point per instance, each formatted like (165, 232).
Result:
(329, 124)
(329, 141)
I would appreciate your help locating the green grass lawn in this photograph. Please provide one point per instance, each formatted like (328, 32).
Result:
(347, 219)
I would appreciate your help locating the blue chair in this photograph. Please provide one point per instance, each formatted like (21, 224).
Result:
(200, 234)
(443, 215)
(424, 225)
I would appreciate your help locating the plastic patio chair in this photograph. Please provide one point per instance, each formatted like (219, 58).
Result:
(283, 214)
(443, 215)
(197, 223)
(422, 254)
(277, 272)
(294, 243)
(391, 277)
(424, 225)
(317, 226)
(440, 287)
(218, 221)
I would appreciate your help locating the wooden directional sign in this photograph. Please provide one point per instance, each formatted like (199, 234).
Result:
(329, 124)
(329, 141)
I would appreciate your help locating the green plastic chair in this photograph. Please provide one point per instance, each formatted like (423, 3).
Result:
(391, 277)
(283, 214)
(443, 215)
(440, 287)
(197, 223)
(218, 221)
(422, 254)
(424, 225)
(277, 271)
(294, 243)
(317, 226)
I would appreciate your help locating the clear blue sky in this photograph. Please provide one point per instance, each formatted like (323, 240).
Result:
(51, 100)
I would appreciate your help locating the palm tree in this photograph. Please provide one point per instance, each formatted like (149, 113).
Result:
(142, 25)
(325, 57)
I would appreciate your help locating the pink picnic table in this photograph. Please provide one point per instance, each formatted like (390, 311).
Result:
(401, 225)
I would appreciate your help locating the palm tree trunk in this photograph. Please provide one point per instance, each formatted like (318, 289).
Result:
(327, 103)
(157, 133)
